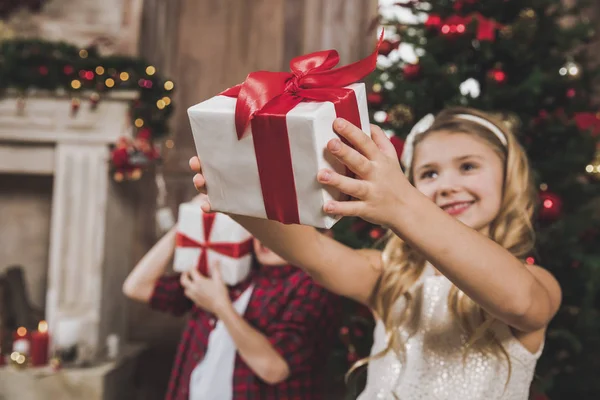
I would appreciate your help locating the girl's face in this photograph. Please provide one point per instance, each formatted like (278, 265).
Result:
(265, 256)
(462, 175)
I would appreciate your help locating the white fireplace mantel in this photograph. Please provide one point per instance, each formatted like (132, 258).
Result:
(89, 211)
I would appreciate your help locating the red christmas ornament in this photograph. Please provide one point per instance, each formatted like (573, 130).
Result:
(530, 260)
(588, 121)
(398, 143)
(486, 28)
(387, 46)
(374, 98)
(43, 70)
(551, 206)
(376, 233)
(411, 71)
(455, 25)
(571, 93)
(68, 70)
(434, 21)
(497, 75)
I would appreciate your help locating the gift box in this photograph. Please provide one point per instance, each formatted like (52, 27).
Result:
(261, 143)
(205, 239)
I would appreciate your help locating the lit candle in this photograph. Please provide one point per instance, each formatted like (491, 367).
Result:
(21, 341)
(40, 341)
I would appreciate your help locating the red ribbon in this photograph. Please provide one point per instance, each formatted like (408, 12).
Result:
(264, 99)
(233, 250)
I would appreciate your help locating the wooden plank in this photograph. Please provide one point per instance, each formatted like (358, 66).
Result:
(220, 42)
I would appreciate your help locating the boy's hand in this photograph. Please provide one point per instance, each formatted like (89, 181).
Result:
(207, 293)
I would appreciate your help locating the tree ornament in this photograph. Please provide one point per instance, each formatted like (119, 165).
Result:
(376, 87)
(470, 87)
(433, 21)
(387, 46)
(593, 168)
(411, 71)
(497, 75)
(375, 99)
(376, 233)
(571, 70)
(551, 206)
(588, 121)
(527, 14)
(400, 115)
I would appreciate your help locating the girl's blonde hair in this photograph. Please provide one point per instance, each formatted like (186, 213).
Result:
(511, 228)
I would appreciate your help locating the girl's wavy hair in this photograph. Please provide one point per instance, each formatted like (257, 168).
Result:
(511, 228)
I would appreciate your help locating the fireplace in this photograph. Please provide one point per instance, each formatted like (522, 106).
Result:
(55, 173)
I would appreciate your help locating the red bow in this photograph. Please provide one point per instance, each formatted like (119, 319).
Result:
(313, 78)
(233, 250)
(264, 99)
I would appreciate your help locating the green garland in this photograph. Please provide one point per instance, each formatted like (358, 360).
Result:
(27, 64)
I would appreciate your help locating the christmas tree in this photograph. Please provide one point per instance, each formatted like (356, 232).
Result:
(525, 61)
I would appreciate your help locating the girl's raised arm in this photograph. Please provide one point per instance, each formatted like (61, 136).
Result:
(338, 268)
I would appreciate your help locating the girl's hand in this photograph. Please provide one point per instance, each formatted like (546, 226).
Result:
(200, 184)
(207, 293)
(379, 184)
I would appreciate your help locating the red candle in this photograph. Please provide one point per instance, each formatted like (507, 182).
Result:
(40, 341)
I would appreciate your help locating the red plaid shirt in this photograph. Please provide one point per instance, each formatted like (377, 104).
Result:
(297, 316)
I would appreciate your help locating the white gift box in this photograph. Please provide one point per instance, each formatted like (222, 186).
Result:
(228, 244)
(230, 167)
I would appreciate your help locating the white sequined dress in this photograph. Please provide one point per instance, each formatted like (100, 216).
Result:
(433, 367)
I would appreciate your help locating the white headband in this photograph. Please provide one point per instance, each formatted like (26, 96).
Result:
(427, 121)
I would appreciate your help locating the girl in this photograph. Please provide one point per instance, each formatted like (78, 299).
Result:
(459, 313)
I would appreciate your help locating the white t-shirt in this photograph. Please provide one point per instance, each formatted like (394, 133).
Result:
(212, 379)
